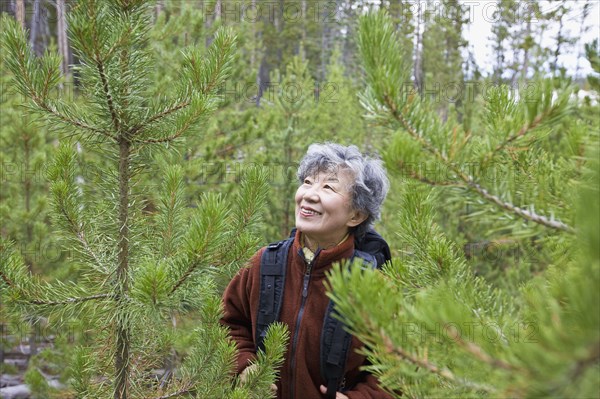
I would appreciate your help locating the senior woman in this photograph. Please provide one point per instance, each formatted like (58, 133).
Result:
(339, 197)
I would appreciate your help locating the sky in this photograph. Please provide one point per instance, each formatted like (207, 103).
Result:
(479, 34)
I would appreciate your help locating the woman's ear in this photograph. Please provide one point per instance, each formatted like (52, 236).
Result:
(357, 218)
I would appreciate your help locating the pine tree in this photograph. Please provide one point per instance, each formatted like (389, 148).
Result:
(442, 59)
(504, 18)
(292, 99)
(439, 329)
(592, 53)
(337, 114)
(23, 202)
(518, 31)
(140, 270)
(24, 207)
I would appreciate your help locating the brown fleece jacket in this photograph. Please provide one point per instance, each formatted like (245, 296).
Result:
(302, 379)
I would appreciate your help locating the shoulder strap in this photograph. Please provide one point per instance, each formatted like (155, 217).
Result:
(335, 340)
(335, 344)
(273, 264)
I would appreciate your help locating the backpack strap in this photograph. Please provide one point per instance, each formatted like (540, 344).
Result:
(273, 265)
(335, 344)
(335, 340)
(373, 243)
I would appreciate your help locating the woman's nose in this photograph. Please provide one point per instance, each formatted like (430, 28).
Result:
(311, 194)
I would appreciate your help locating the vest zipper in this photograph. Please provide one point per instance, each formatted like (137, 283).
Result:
(306, 280)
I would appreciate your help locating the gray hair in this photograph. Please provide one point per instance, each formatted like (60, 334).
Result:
(370, 185)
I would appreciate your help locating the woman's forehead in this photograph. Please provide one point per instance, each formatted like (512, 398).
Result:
(333, 174)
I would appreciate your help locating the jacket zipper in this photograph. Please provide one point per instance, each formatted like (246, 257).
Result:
(306, 280)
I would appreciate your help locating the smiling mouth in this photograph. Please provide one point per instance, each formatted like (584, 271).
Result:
(308, 212)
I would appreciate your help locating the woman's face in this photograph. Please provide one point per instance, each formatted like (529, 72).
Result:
(324, 212)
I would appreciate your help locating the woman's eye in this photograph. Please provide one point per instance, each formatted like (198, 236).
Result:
(306, 181)
(328, 187)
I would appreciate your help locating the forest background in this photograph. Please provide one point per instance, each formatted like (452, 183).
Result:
(487, 167)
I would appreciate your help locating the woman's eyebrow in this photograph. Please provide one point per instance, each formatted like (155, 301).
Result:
(332, 178)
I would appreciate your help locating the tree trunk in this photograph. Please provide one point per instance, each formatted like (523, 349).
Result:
(35, 23)
(262, 77)
(525, 55)
(20, 12)
(123, 333)
(61, 34)
(324, 44)
(304, 20)
(256, 40)
(347, 50)
(217, 12)
(279, 22)
(560, 39)
(158, 8)
(29, 232)
(38, 37)
(417, 68)
(265, 37)
(218, 8)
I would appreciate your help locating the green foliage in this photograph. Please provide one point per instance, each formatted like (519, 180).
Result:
(517, 30)
(492, 216)
(507, 169)
(24, 195)
(442, 59)
(267, 361)
(282, 145)
(143, 265)
(36, 381)
(48, 362)
(338, 115)
(593, 56)
(439, 329)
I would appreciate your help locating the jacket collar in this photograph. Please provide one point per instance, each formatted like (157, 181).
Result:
(324, 257)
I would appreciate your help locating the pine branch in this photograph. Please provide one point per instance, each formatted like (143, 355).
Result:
(592, 359)
(218, 66)
(417, 176)
(22, 57)
(122, 39)
(432, 368)
(70, 300)
(8, 281)
(185, 391)
(80, 234)
(105, 88)
(65, 119)
(468, 180)
(171, 206)
(205, 235)
(525, 214)
(99, 62)
(478, 352)
(184, 277)
(199, 110)
(398, 116)
(526, 128)
(222, 50)
(158, 116)
(170, 138)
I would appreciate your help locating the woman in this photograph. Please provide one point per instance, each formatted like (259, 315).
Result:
(339, 197)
